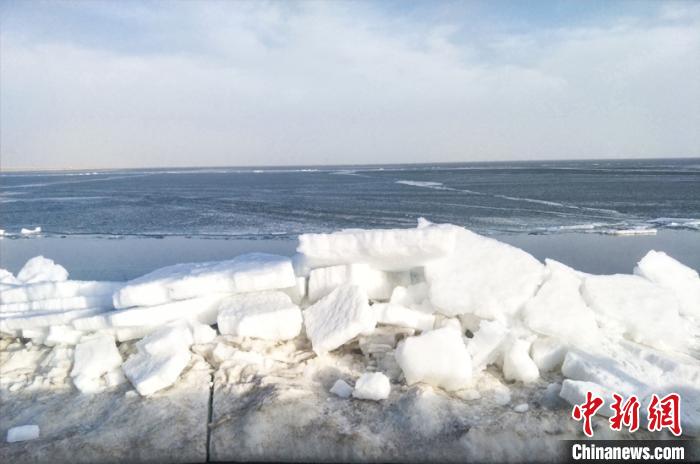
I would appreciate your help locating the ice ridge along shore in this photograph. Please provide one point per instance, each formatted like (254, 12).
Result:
(395, 344)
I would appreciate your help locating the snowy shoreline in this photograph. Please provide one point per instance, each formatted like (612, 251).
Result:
(447, 332)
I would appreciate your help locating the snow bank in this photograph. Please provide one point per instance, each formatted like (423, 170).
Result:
(268, 315)
(247, 273)
(383, 249)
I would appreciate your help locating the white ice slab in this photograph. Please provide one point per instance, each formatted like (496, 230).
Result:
(438, 358)
(60, 304)
(384, 249)
(559, 310)
(246, 273)
(517, 363)
(52, 290)
(377, 284)
(394, 314)
(641, 311)
(45, 319)
(23, 433)
(149, 374)
(167, 340)
(486, 346)
(372, 386)
(93, 357)
(267, 315)
(63, 335)
(341, 388)
(40, 269)
(681, 280)
(483, 277)
(203, 309)
(338, 318)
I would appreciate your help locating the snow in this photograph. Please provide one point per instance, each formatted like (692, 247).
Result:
(246, 273)
(438, 357)
(372, 386)
(40, 269)
(341, 388)
(269, 315)
(383, 249)
(377, 284)
(484, 277)
(682, 281)
(22, 433)
(93, 358)
(338, 317)
(637, 309)
(394, 314)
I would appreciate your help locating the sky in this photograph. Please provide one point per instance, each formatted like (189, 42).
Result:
(126, 84)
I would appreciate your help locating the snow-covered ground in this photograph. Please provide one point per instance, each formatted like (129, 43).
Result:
(448, 346)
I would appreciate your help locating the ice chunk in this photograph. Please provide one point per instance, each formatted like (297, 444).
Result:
(92, 323)
(202, 333)
(6, 277)
(54, 290)
(298, 292)
(60, 304)
(341, 389)
(114, 378)
(62, 335)
(372, 386)
(338, 317)
(485, 347)
(383, 249)
(638, 309)
(394, 314)
(267, 315)
(34, 231)
(522, 407)
(483, 277)
(517, 364)
(377, 284)
(92, 358)
(414, 296)
(40, 269)
(559, 310)
(167, 340)
(44, 319)
(300, 265)
(246, 273)
(684, 282)
(22, 433)
(547, 353)
(203, 309)
(125, 334)
(151, 373)
(438, 358)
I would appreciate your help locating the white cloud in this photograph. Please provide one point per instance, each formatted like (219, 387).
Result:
(245, 84)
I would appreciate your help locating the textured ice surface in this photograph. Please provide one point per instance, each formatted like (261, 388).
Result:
(633, 307)
(338, 317)
(32, 320)
(377, 284)
(246, 273)
(151, 373)
(438, 358)
(40, 269)
(678, 278)
(268, 315)
(166, 340)
(394, 314)
(22, 433)
(60, 304)
(372, 386)
(483, 276)
(384, 249)
(517, 364)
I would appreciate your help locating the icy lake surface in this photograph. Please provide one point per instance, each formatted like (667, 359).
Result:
(618, 197)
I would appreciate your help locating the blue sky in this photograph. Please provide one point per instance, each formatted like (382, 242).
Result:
(131, 84)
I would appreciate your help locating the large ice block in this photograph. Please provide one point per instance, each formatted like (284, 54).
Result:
(203, 309)
(246, 273)
(60, 304)
(377, 284)
(53, 290)
(267, 315)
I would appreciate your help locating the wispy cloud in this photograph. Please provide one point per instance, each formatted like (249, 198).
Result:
(93, 84)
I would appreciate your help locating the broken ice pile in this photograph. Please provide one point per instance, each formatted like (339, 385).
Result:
(438, 304)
